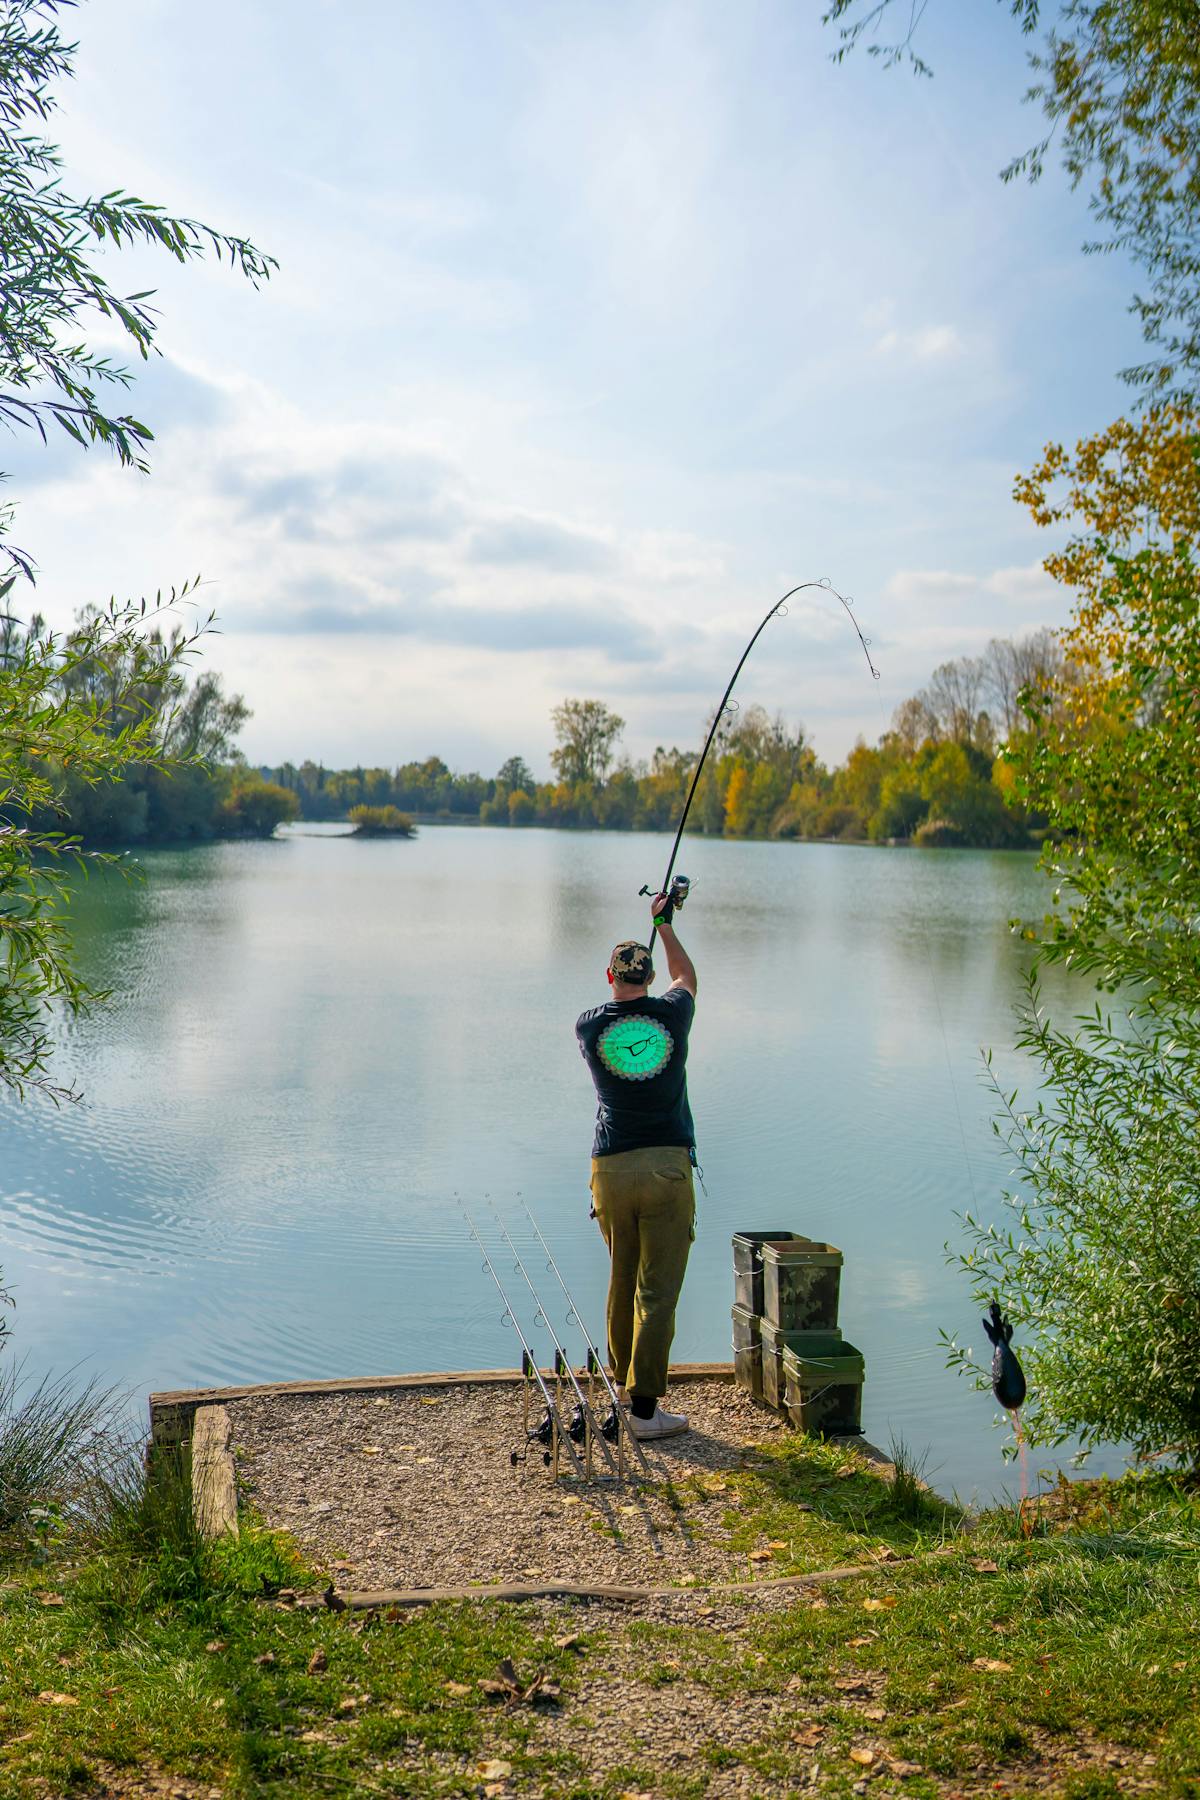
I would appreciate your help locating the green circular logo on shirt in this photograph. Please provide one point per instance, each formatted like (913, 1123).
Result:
(636, 1048)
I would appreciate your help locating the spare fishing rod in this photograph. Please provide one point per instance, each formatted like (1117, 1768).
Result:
(674, 897)
(583, 1425)
(617, 1425)
(549, 1433)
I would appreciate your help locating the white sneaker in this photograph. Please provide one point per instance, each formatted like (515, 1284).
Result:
(660, 1424)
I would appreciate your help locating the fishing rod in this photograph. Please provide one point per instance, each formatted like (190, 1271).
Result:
(549, 1433)
(584, 1424)
(618, 1425)
(677, 894)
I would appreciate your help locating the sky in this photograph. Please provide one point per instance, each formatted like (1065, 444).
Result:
(596, 327)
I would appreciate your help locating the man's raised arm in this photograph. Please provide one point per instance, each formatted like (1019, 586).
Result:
(680, 966)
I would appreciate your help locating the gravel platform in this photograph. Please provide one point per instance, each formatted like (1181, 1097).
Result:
(415, 1488)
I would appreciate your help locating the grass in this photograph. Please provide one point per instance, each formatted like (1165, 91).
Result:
(50, 1435)
(1016, 1658)
(815, 1505)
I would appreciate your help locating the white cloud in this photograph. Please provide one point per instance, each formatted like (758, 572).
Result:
(928, 343)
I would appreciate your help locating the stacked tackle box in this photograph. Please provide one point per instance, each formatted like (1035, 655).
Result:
(788, 1350)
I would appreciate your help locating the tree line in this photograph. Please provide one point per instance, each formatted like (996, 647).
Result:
(181, 782)
(937, 777)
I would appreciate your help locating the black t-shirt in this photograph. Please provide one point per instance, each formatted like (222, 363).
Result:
(636, 1051)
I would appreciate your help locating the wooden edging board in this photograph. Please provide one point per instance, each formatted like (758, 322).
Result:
(172, 1411)
(569, 1590)
(214, 1484)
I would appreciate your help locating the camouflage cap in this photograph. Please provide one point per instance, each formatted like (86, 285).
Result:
(631, 964)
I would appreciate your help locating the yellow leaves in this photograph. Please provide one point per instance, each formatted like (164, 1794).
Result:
(808, 1735)
(1131, 491)
(863, 1757)
(880, 1605)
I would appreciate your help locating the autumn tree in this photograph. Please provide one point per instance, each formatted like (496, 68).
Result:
(1117, 762)
(516, 773)
(587, 735)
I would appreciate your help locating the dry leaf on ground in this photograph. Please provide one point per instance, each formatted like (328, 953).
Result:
(457, 1690)
(863, 1757)
(992, 1664)
(881, 1605)
(318, 1662)
(982, 1566)
(49, 1698)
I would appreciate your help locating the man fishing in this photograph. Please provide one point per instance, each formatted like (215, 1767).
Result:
(636, 1050)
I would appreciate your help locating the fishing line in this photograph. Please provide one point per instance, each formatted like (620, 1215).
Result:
(727, 708)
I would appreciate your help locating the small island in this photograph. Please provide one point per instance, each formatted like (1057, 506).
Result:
(380, 821)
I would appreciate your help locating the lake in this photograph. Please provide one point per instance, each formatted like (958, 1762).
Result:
(316, 1043)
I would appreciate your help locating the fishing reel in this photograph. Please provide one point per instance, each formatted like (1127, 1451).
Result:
(677, 893)
(542, 1434)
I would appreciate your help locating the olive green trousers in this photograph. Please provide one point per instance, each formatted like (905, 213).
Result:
(646, 1209)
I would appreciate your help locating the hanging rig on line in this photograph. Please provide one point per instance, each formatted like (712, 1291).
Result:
(725, 709)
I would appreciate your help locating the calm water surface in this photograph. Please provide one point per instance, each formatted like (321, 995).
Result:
(315, 1044)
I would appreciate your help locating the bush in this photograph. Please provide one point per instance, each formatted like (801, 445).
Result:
(521, 808)
(937, 834)
(1104, 1261)
(842, 822)
(255, 807)
(380, 821)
